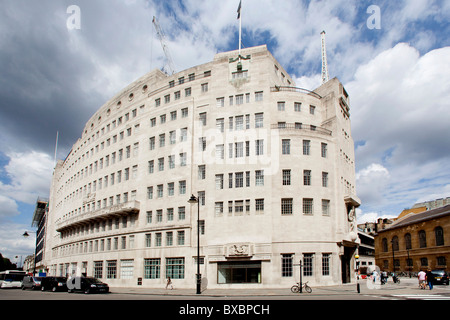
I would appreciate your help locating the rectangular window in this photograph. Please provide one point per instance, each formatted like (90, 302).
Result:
(307, 177)
(203, 118)
(286, 146)
(325, 207)
(297, 106)
(239, 180)
(239, 206)
(324, 149)
(148, 240)
(308, 264)
(259, 205)
(259, 120)
(111, 269)
(126, 269)
(259, 147)
(220, 125)
(169, 238)
(281, 106)
(219, 181)
(239, 149)
(98, 269)
(326, 264)
(175, 268)
(307, 206)
(286, 206)
(152, 268)
(259, 96)
(201, 172)
(286, 177)
(219, 208)
(180, 238)
(220, 102)
(181, 213)
(259, 177)
(287, 265)
(306, 147)
(324, 179)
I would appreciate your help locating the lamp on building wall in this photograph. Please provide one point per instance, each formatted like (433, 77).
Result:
(193, 200)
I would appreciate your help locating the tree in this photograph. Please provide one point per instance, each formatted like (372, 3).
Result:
(5, 264)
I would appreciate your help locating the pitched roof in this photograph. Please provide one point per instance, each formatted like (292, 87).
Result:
(418, 217)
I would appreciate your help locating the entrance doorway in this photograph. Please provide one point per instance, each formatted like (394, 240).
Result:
(239, 272)
(346, 264)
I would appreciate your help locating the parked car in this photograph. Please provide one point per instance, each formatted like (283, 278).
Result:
(86, 285)
(31, 282)
(54, 284)
(440, 277)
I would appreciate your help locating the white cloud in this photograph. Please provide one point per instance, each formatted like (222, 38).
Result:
(400, 111)
(363, 217)
(8, 207)
(30, 176)
(12, 242)
(371, 183)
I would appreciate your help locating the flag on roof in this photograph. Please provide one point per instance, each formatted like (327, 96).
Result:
(239, 10)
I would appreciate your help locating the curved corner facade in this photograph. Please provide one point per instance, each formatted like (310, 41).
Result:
(272, 166)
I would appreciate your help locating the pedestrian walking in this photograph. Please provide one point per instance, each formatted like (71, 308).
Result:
(375, 275)
(169, 283)
(422, 276)
(430, 279)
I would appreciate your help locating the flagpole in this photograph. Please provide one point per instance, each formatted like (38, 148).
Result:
(56, 146)
(240, 35)
(240, 27)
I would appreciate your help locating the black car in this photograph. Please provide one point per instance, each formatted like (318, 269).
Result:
(31, 282)
(86, 285)
(54, 284)
(440, 277)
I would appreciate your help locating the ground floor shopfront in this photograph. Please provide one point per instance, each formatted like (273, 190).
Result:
(242, 268)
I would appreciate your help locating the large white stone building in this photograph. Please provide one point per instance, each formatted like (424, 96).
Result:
(272, 166)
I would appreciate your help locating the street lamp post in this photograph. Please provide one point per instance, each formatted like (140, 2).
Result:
(193, 200)
(26, 235)
(393, 255)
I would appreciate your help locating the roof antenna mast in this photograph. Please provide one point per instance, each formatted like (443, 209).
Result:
(325, 76)
(169, 62)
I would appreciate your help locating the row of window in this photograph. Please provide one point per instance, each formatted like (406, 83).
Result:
(287, 264)
(306, 148)
(441, 262)
(239, 207)
(125, 242)
(422, 236)
(175, 267)
(287, 206)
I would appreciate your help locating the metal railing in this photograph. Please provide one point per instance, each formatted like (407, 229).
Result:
(298, 127)
(294, 89)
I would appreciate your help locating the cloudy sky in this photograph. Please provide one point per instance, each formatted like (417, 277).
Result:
(60, 60)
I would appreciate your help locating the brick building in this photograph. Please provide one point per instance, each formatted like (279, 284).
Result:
(414, 242)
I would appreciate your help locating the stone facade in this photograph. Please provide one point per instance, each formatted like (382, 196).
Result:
(271, 164)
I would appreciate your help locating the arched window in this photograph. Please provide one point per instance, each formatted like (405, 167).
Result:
(384, 244)
(422, 239)
(439, 234)
(408, 241)
(395, 243)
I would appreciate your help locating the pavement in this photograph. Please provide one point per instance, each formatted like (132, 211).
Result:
(407, 287)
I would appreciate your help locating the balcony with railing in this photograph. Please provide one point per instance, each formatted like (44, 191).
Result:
(300, 126)
(117, 210)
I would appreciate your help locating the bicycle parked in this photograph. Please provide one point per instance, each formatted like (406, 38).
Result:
(296, 287)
